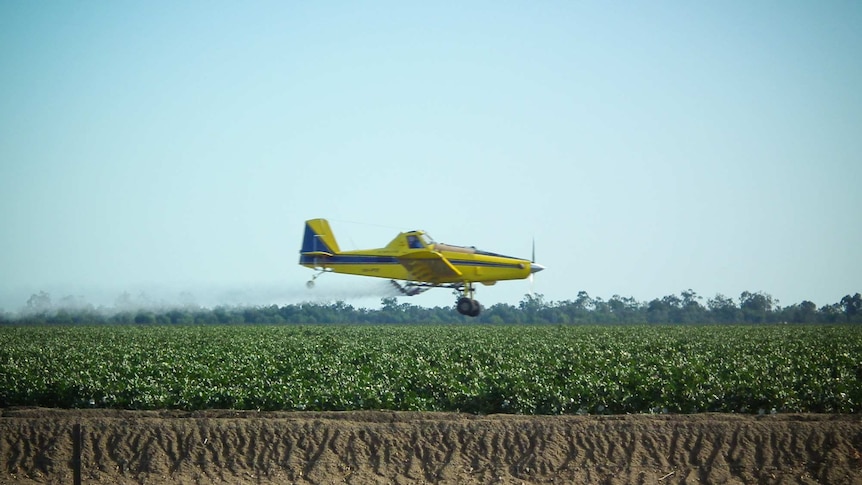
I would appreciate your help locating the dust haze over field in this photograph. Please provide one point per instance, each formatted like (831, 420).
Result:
(154, 297)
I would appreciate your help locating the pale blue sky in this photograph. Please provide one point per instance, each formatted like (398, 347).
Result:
(649, 147)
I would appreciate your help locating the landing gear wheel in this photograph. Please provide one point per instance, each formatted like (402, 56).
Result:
(477, 308)
(468, 306)
(464, 305)
(310, 283)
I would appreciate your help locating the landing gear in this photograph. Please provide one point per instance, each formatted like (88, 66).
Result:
(310, 283)
(469, 307)
(466, 305)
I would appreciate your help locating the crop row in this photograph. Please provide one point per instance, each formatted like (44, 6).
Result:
(517, 369)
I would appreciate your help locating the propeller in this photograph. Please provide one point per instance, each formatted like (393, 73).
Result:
(532, 260)
(534, 267)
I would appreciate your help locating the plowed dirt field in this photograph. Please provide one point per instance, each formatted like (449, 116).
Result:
(161, 447)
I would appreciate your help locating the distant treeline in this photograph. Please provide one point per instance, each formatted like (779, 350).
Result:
(687, 308)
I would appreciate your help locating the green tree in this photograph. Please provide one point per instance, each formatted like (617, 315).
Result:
(722, 309)
(144, 318)
(805, 312)
(389, 304)
(624, 309)
(532, 303)
(831, 313)
(852, 307)
(756, 307)
(673, 304)
(658, 311)
(692, 311)
(583, 301)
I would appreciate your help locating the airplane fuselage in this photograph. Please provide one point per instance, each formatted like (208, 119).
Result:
(393, 264)
(415, 258)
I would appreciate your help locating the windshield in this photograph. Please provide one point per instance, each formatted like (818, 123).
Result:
(419, 240)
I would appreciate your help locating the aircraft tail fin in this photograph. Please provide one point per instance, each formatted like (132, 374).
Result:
(318, 240)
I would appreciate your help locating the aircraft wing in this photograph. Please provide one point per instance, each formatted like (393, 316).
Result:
(428, 266)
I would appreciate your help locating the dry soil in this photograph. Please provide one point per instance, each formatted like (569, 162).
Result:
(161, 447)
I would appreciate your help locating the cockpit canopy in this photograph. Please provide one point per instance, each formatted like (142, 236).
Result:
(419, 240)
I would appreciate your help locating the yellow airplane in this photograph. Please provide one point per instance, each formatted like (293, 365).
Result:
(413, 257)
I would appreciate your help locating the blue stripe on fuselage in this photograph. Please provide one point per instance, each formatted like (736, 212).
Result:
(349, 259)
(373, 259)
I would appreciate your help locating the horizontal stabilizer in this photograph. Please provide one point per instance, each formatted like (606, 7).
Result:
(317, 254)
